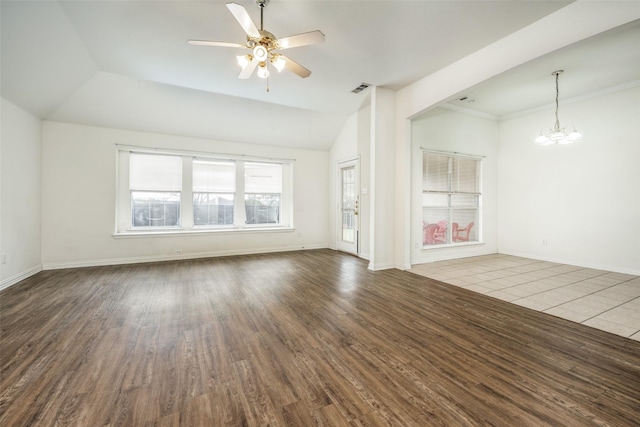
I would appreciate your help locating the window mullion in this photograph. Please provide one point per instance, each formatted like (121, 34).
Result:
(239, 210)
(186, 196)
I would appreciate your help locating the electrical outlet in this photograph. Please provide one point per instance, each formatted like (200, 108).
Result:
(545, 242)
(178, 251)
(4, 258)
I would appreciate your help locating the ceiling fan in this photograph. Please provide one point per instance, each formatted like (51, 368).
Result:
(264, 46)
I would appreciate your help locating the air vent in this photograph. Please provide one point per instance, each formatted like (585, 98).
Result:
(360, 88)
(466, 100)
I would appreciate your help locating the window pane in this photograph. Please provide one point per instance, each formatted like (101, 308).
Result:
(348, 226)
(464, 225)
(440, 200)
(262, 178)
(464, 200)
(349, 188)
(155, 209)
(435, 226)
(435, 172)
(262, 208)
(152, 172)
(212, 209)
(214, 176)
(465, 175)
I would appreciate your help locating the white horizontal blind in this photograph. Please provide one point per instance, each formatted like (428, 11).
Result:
(262, 178)
(435, 173)
(451, 198)
(152, 172)
(214, 176)
(464, 175)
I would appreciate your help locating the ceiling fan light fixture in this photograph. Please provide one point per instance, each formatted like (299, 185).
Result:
(262, 72)
(260, 52)
(278, 62)
(263, 45)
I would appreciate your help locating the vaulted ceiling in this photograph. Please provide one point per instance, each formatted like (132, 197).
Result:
(126, 64)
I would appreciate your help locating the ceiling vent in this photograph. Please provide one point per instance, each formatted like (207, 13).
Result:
(360, 88)
(466, 100)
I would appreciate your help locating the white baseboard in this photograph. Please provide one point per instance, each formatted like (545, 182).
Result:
(20, 276)
(595, 266)
(381, 266)
(173, 257)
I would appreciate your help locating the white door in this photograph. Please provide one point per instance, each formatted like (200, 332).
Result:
(348, 207)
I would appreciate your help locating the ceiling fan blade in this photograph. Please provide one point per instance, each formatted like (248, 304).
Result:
(296, 68)
(243, 18)
(248, 70)
(212, 43)
(303, 39)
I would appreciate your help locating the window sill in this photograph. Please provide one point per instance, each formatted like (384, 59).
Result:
(199, 232)
(451, 245)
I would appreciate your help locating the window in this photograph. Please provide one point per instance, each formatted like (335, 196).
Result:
(155, 184)
(214, 186)
(451, 199)
(262, 192)
(177, 191)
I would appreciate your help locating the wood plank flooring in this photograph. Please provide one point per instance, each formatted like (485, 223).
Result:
(307, 338)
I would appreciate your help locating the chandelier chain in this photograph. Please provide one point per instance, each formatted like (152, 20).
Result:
(557, 103)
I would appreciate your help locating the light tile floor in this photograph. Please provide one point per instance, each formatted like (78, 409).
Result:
(600, 299)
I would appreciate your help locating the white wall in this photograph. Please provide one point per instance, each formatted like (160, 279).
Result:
(79, 182)
(582, 199)
(20, 181)
(383, 179)
(352, 142)
(446, 130)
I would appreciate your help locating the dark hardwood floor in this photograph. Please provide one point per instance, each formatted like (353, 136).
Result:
(300, 339)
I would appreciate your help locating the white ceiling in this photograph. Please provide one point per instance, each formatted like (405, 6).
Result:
(127, 64)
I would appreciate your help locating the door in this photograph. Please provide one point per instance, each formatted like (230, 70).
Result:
(348, 207)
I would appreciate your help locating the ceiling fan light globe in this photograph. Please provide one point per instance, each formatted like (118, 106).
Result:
(260, 52)
(263, 72)
(243, 60)
(279, 63)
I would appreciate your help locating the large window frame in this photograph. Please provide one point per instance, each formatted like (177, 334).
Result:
(451, 199)
(193, 187)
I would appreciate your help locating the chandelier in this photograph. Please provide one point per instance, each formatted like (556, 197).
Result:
(558, 135)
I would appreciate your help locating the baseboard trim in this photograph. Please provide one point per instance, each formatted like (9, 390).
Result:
(381, 266)
(20, 277)
(604, 267)
(161, 258)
